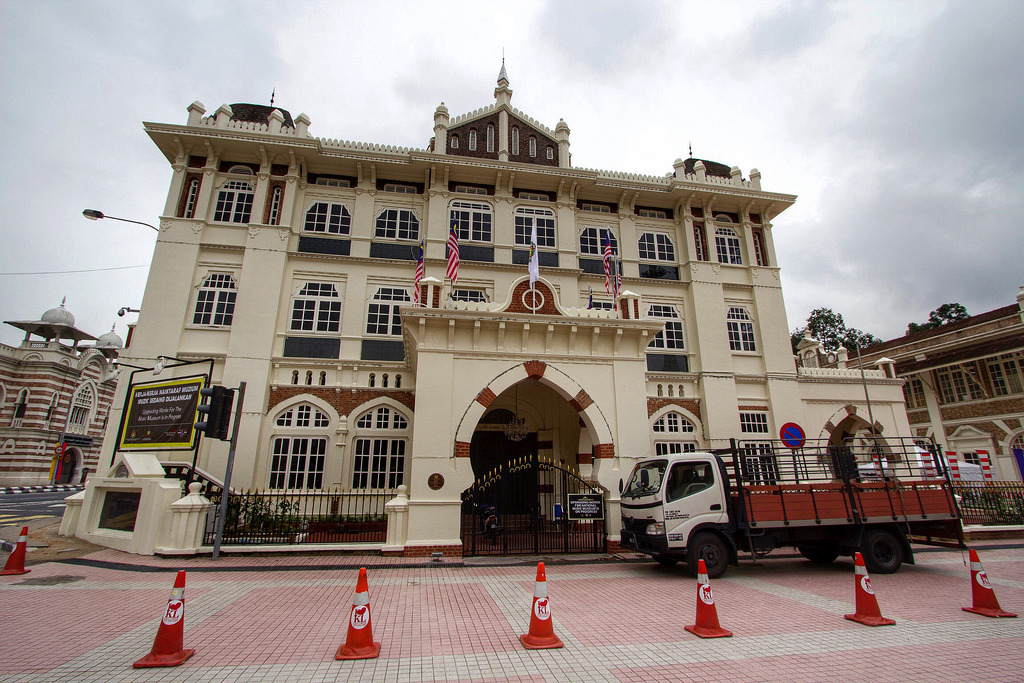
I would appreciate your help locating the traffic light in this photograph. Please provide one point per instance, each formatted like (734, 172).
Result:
(215, 414)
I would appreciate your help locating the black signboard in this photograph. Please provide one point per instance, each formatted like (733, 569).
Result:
(161, 415)
(586, 506)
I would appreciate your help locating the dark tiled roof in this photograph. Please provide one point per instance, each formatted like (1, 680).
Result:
(987, 317)
(711, 167)
(970, 352)
(258, 113)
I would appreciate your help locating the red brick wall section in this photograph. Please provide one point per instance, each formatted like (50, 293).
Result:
(604, 450)
(582, 401)
(485, 397)
(461, 449)
(535, 368)
(584, 458)
(345, 401)
(516, 305)
(656, 404)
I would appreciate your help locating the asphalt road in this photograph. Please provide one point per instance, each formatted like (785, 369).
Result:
(33, 510)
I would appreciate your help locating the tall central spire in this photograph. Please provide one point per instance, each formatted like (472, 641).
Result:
(502, 75)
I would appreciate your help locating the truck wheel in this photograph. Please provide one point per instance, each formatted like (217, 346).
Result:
(710, 548)
(819, 554)
(882, 552)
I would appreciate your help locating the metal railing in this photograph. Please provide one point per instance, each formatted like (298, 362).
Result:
(990, 503)
(291, 517)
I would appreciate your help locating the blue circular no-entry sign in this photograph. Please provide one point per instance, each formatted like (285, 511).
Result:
(792, 435)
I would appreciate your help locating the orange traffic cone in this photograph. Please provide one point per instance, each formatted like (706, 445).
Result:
(542, 632)
(16, 561)
(707, 625)
(985, 602)
(867, 606)
(359, 642)
(168, 646)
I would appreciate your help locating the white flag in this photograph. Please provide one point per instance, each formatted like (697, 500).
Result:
(534, 258)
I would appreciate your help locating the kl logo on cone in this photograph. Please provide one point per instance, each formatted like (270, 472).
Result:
(542, 632)
(359, 641)
(168, 647)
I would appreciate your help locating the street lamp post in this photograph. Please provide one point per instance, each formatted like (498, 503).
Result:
(94, 215)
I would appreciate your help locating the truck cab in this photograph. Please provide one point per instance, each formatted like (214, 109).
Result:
(675, 507)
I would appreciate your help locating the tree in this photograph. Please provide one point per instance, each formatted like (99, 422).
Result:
(943, 315)
(830, 329)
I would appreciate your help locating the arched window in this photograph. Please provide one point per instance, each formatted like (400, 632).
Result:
(384, 381)
(190, 202)
(328, 218)
(472, 140)
(490, 137)
(526, 217)
(54, 397)
(656, 246)
(215, 303)
(698, 241)
(317, 308)
(398, 381)
(397, 224)
(383, 316)
(323, 378)
(455, 142)
(275, 207)
(515, 140)
(672, 336)
(380, 449)
(727, 245)
(309, 377)
(673, 433)
(297, 461)
(373, 380)
(234, 202)
(20, 405)
(83, 404)
(550, 153)
(295, 376)
(533, 146)
(472, 220)
(741, 330)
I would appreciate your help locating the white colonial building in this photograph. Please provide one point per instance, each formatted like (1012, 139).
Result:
(289, 259)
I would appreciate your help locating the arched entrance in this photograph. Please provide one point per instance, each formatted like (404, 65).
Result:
(528, 475)
(67, 464)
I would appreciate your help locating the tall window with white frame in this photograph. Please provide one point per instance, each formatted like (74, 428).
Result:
(672, 336)
(328, 218)
(382, 313)
(380, 450)
(234, 202)
(656, 246)
(82, 404)
(297, 460)
(673, 433)
(592, 241)
(275, 207)
(190, 202)
(20, 407)
(317, 308)
(215, 303)
(473, 221)
(526, 217)
(397, 224)
(490, 137)
(741, 330)
(727, 246)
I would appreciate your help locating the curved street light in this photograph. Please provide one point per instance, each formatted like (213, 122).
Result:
(94, 215)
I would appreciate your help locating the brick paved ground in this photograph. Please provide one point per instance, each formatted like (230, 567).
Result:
(281, 619)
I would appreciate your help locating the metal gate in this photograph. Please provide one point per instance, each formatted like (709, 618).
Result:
(540, 506)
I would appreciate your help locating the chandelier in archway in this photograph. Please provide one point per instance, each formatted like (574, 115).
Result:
(515, 429)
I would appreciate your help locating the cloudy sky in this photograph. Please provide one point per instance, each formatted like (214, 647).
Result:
(899, 125)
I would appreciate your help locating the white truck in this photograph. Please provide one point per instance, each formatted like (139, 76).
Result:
(824, 500)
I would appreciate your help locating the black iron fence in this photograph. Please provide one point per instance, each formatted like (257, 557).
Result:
(289, 517)
(990, 502)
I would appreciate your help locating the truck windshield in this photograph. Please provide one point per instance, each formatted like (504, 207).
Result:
(646, 479)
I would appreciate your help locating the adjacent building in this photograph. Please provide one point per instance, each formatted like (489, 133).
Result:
(656, 322)
(55, 396)
(965, 388)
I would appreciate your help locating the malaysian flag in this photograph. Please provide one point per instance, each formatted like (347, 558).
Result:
(453, 255)
(419, 276)
(608, 262)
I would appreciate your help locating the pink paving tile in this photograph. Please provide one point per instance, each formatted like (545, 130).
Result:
(990, 661)
(46, 627)
(409, 621)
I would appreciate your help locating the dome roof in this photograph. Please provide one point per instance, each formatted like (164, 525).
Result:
(59, 316)
(109, 341)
